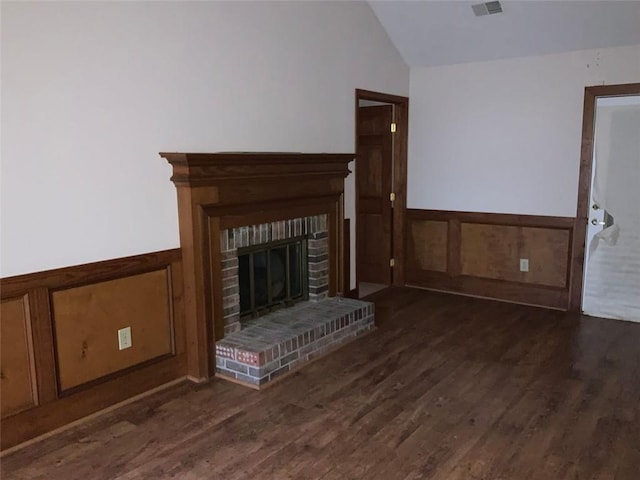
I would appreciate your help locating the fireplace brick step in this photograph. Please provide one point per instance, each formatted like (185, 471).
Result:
(282, 341)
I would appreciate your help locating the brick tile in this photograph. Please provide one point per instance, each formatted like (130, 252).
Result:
(279, 372)
(226, 373)
(289, 358)
(247, 379)
(236, 367)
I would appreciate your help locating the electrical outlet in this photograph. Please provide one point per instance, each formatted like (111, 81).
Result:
(124, 338)
(524, 264)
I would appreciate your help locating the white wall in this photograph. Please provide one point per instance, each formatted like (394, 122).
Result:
(504, 136)
(91, 92)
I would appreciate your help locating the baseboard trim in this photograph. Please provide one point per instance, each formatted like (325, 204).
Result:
(92, 416)
(483, 297)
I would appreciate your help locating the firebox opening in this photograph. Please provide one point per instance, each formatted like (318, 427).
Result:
(272, 275)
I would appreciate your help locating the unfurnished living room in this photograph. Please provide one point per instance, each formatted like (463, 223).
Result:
(320, 240)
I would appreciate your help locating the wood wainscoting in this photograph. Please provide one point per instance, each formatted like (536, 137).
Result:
(60, 355)
(479, 254)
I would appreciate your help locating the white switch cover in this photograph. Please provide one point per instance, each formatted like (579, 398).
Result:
(124, 338)
(524, 264)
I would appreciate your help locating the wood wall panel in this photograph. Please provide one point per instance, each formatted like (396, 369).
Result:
(87, 319)
(482, 255)
(17, 370)
(549, 254)
(428, 245)
(62, 309)
(494, 251)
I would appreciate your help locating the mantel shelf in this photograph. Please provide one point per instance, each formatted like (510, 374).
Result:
(199, 169)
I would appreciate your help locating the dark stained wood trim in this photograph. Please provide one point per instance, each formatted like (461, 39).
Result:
(346, 258)
(401, 140)
(214, 283)
(400, 189)
(273, 211)
(335, 219)
(379, 97)
(43, 342)
(493, 218)
(591, 95)
(74, 276)
(538, 295)
(454, 238)
(209, 169)
(31, 423)
(244, 209)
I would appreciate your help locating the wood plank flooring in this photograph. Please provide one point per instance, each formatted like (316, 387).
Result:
(447, 388)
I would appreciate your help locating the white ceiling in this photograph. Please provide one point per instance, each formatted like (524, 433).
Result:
(429, 33)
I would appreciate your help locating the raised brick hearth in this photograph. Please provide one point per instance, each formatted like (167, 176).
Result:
(282, 341)
(256, 351)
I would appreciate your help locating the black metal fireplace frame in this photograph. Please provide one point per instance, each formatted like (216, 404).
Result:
(255, 311)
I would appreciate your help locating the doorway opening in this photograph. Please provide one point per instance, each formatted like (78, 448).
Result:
(607, 219)
(381, 184)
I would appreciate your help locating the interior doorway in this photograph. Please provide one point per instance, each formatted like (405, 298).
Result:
(606, 272)
(380, 203)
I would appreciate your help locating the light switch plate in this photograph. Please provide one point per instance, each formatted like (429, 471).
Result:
(524, 264)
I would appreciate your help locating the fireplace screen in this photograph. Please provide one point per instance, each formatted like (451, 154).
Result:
(272, 275)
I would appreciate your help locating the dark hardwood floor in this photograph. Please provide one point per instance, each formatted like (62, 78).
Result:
(447, 388)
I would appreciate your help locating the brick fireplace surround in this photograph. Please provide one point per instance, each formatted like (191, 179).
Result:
(261, 193)
(315, 228)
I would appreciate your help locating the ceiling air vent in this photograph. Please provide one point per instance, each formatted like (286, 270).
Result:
(488, 8)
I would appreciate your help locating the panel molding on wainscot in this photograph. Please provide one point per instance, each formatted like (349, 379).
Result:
(479, 254)
(17, 373)
(87, 344)
(60, 354)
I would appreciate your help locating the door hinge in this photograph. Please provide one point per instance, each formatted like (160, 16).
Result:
(393, 127)
(392, 197)
(392, 262)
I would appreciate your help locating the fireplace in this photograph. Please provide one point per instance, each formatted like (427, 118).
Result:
(272, 265)
(231, 201)
(272, 275)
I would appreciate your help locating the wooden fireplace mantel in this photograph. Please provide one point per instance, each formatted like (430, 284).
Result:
(217, 191)
(197, 169)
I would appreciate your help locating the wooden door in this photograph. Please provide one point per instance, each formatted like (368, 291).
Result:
(374, 180)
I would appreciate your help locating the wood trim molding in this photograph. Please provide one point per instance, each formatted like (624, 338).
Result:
(400, 152)
(346, 257)
(493, 218)
(379, 97)
(400, 189)
(591, 95)
(515, 292)
(201, 169)
(37, 421)
(66, 277)
(217, 191)
(41, 327)
(455, 280)
(56, 408)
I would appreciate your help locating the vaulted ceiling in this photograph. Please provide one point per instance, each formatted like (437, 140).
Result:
(430, 33)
